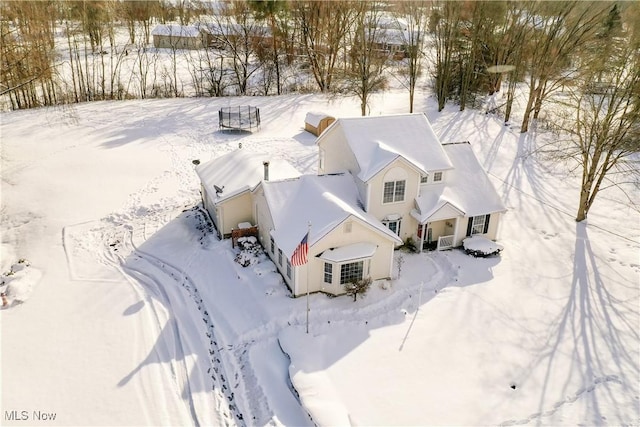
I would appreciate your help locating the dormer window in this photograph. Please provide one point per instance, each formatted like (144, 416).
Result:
(437, 176)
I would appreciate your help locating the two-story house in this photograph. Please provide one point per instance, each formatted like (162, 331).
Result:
(434, 194)
(381, 181)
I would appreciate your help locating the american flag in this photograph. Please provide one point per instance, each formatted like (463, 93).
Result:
(299, 256)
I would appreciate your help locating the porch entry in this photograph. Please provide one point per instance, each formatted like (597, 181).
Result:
(437, 235)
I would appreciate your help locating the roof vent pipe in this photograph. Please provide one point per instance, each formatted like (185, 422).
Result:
(266, 170)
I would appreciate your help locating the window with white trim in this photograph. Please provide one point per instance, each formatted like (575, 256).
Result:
(288, 268)
(279, 256)
(477, 226)
(424, 179)
(351, 271)
(437, 176)
(328, 272)
(393, 191)
(272, 245)
(393, 225)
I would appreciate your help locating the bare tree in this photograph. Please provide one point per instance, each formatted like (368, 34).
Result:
(208, 72)
(444, 24)
(269, 10)
(604, 127)
(510, 50)
(323, 26)
(139, 12)
(561, 30)
(94, 17)
(145, 61)
(28, 58)
(368, 55)
(239, 34)
(481, 21)
(415, 12)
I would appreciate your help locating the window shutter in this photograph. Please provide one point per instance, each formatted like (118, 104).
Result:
(486, 223)
(469, 225)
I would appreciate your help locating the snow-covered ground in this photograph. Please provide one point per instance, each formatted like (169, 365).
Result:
(138, 315)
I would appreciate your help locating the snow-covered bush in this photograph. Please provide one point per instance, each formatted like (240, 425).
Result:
(479, 246)
(250, 251)
(17, 284)
(358, 287)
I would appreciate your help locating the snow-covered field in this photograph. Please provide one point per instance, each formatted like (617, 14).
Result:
(135, 314)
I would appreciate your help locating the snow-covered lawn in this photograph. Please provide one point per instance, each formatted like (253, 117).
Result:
(142, 317)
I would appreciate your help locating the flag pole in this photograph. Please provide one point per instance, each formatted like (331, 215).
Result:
(308, 233)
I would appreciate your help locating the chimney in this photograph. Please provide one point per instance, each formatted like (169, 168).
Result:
(266, 170)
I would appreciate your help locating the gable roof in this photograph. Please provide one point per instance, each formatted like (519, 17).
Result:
(325, 201)
(238, 171)
(175, 30)
(315, 117)
(466, 188)
(376, 141)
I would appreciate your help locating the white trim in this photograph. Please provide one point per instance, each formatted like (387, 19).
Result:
(397, 222)
(220, 215)
(349, 253)
(395, 183)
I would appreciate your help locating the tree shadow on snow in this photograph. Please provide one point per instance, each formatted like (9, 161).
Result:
(402, 300)
(596, 326)
(527, 181)
(195, 120)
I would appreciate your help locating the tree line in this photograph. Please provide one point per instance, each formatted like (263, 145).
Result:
(581, 55)
(58, 51)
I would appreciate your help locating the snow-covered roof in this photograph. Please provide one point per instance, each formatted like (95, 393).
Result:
(466, 188)
(376, 141)
(349, 252)
(315, 117)
(322, 200)
(175, 30)
(239, 171)
(232, 28)
(388, 22)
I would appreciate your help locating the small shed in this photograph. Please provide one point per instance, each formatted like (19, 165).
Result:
(173, 36)
(316, 122)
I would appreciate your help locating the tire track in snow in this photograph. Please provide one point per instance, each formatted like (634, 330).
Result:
(216, 370)
(179, 369)
(242, 388)
(126, 249)
(150, 284)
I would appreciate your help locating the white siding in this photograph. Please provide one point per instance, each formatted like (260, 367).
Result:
(338, 156)
(234, 211)
(380, 266)
(380, 210)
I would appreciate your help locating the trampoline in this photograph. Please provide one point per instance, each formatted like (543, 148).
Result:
(243, 117)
